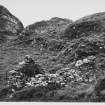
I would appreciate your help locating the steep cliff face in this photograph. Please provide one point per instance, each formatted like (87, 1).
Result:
(10, 26)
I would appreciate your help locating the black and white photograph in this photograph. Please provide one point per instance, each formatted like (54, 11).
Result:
(52, 51)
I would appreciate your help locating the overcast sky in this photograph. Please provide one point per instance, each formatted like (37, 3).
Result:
(30, 11)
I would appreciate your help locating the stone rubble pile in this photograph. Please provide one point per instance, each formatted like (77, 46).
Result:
(62, 77)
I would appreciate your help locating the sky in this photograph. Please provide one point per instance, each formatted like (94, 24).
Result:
(31, 11)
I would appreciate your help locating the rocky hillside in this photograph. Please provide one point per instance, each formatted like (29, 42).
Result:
(52, 28)
(86, 38)
(45, 35)
(72, 53)
(10, 26)
(86, 26)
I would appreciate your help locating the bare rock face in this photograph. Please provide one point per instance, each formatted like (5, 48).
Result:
(10, 26)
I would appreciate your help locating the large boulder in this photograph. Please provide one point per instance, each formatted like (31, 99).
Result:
(10, 26)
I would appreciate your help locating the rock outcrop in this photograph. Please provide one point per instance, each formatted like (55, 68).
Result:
(86, 26)
(10, 26)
